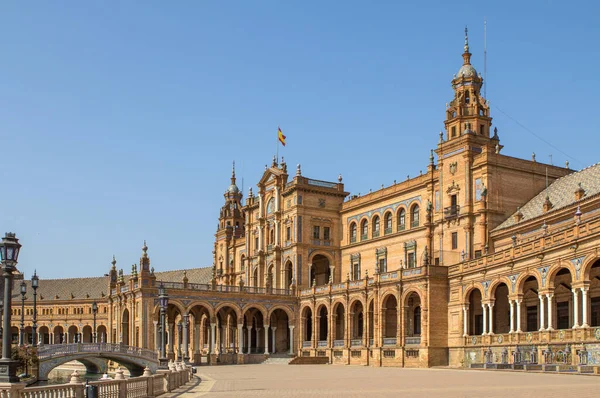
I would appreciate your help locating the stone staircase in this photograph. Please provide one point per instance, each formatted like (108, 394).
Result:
(310, 361)
(278, 360)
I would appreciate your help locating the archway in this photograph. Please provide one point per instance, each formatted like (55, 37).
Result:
(530, 310)
(323, 326)
(320, 271)
(73, 334)
(44, 335)
(594, 295)
(501, 309)
(125, 327)
(339, 324)
(413, 316)
(101, 334)
(227, 341)
(255, 331)
(87, 334)
(279, 341)
(390, 319)
(307, 322)
(58, 335)
(289, 275)
(357, 319)
(475, 324)
(562, 304)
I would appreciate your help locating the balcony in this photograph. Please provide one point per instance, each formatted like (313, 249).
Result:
(388, 231)
(414, 223)
(322, 343)
(451, 212)
(376, 233)
(389, 341)
(364, 237)
(412, 340)
(306, 344)
(401, 227)
(353, 239)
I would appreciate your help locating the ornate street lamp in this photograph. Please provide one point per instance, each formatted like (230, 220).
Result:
(34, 284)
(22, 332)
(95, 312)
(186, 338)
(9, 254)
(1, 312)
(163, 297)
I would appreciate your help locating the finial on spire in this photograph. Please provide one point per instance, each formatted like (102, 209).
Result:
(298, 170)
(466, 39)
(114, 262)
(233, 170)
(145, 249)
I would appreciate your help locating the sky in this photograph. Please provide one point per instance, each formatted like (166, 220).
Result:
(119, 120)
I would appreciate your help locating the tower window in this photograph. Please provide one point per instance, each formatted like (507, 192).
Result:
(454, 240)
(453, 131)
(467, 97)
(481, 127)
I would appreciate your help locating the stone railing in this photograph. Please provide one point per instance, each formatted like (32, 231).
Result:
(148, 385)
(52, 350)
(225, 288)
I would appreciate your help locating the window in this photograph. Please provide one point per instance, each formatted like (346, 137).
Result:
(453, 131)
(364, 230)
(401, 220)
(326, 233)
(270, 206)
(387, 222)
(382, 265)
(481, 129)
(316, 232)
(299, 199)
(375, 226)
(356, 271)
(467, 97)
(410, 260)
(353, 232)
(454, 240)
(256, 243)
(414, 216)
(288, 233)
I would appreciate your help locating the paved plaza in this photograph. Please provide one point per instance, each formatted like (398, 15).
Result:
(354, 381)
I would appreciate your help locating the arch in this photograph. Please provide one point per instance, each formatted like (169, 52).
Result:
(519, 284)
(323, 325)
(279, 340)
(375, 226)
(338, 312)
(44, 335)
(561, 282)
(289, 313)
(320, 271)
(409, 291)
(73, 334)
(414, 215)
(288, 270)
(497, 282)
(58, 335)
(501, 310)
(401, 219)
(353, 232)
(124, 327)
(307, 328)
(101, 334)
(357, 320)
(364, 229)
(586, 267)
(389, 310)
(87, 334)
(197, 307)
(230, 305)
(593, 276)
(530, 312)
(555, 269)
(250, 310)
(387, 222)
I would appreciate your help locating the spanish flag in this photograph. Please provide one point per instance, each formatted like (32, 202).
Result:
(281, 136)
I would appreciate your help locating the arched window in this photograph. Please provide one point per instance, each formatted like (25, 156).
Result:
(270, 206)
(467, 97)
(387, 223)
(414, 216)
(401, 220)
(417, 321)
(353, 232)
(375, 226)
(364, 230)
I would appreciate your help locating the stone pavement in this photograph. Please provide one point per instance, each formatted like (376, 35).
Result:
(324, 381)
(195, 388)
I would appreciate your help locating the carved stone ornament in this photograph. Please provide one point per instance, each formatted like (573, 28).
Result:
(453, 167)
(453, 187)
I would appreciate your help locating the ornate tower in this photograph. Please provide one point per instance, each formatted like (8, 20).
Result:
(468, 112)
(230, 232)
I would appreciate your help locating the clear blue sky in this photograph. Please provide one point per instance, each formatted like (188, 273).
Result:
(120, 120)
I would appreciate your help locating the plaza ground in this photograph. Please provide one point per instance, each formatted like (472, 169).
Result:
(356, 381)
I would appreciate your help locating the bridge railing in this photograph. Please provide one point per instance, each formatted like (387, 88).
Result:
(135, 387)
(52, 350)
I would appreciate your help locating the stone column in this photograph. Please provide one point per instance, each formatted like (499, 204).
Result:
(197, 340)
(465, 321)
(156, 338)
(266, 339)
(186, 346)
(575, 308)
(315, 338)
(484, 307)
(549, 297)
(249, 339)
(512, 316)
(274, 350)
(291, 327)
(213, 332)
(542, 312)
(240, 349)
(519, 316)
(584, 298)
(257, 338)
(491, 314)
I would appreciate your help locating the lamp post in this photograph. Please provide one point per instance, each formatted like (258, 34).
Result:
(34, 284)
(95, 312)
(163, 297)
(9, 254)
(22, 332)
(1, 312)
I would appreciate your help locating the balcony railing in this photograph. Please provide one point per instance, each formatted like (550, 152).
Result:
(306, 344)
(338, 343)
(376, 233)
(356, 342)
(364, 237)
(353, 239)
(414, 223)
(322, 343)
(389, 341)
(401, 227)
(412, 340)
(451, 212)
(388, 230)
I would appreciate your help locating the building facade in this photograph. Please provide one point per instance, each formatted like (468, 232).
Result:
(482, 258)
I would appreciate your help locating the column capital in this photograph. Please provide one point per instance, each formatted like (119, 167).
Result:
(291, 326)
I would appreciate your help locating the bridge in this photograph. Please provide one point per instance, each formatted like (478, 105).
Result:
(135, 359)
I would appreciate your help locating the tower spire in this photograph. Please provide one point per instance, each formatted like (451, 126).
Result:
(233, 174)
(467, 54)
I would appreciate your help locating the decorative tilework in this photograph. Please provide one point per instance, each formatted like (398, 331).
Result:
(577, 264)
(544, 273)
(486, 285)
(513, 281)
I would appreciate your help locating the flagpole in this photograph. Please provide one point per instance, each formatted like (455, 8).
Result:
(277, 152)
